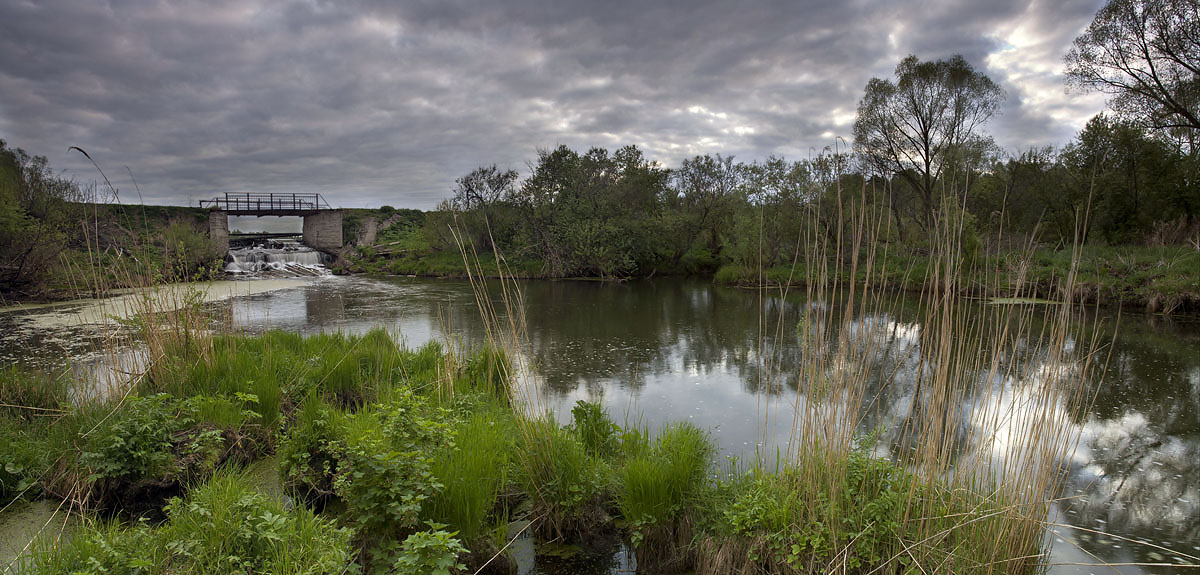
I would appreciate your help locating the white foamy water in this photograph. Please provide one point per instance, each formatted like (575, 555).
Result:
(276, 259)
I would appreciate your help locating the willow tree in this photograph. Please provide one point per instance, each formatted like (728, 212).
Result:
(926, 123)
(1146, 53)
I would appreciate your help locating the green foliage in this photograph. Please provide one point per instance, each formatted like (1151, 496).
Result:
(593, 426)
(385, 465)
(101, 549)
(431, 552)
(307, 455)
(903, 128)
(472, 471)
(733, 274)
(661, 484)
(187, 253)
(487, 371)
(557, 471)
(1142, 52)
(833, 508)
(22, 458)
(137, 440)
(35, 220)
(220, 527)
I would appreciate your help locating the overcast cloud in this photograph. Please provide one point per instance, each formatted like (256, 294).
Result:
(375, 102)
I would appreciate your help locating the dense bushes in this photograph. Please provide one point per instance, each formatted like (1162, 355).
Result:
(58, 238)
(223, 526)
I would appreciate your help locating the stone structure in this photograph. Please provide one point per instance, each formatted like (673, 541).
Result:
(218, 231)
(323, 231)
(322, 224)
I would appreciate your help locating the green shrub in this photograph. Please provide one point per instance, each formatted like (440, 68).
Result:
(385, 459)
(733, 274)
(136, 440)
(308, 455)
(432, 552)
(220, 527)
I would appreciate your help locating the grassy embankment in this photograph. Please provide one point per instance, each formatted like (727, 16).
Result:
(1162, 279)
(404, 245)
(103, 247)
(403, 461)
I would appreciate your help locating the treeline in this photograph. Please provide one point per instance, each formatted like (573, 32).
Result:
(620, 214)
(36, 218)
(60, 238)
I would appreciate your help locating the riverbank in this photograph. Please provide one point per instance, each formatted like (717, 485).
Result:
(1162, 280)
(95, 250)
(417, 462)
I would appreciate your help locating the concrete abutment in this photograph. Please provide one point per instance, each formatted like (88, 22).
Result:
(322, 230)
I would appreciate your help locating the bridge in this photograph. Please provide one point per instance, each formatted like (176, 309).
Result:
(322, 224)
(253, 204)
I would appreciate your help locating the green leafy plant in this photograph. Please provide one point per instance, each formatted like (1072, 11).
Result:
(136, 440)
(223, 526)
(430, 552)
(308, 456)
(385, 464)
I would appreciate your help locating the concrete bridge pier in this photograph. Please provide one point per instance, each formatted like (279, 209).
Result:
(323, 231)
(218, 231)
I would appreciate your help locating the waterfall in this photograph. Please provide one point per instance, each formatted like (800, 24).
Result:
(276, 259)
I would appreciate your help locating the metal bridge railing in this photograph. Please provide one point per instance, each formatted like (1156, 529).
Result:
(269, 202)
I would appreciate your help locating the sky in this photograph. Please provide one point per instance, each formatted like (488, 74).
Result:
(373, 102)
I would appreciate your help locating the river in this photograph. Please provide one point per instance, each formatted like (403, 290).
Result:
(656, 351)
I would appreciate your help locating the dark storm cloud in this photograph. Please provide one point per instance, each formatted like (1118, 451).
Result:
(386, 102)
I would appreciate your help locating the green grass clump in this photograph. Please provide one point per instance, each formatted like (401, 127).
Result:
(599, 434)
(663, 490)
(472, 472)
(487, 371)
(564, 481)
(661, 483)
(29, 394)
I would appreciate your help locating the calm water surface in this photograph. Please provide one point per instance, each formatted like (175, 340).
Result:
(667, 350)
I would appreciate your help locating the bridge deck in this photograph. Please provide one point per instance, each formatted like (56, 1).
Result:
(257, 204)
